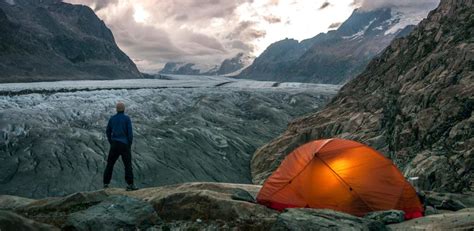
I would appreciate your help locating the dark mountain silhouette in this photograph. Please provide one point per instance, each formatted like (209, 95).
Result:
(51, 40)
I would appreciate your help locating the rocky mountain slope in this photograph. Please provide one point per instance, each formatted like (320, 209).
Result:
(52, 139)
(230, 66)
(414, 103)
(52, 40)
(277, 58)
(337, 56)
(199, 206)
(234, 64)
(179, 68)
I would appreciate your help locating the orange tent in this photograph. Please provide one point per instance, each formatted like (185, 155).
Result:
(342, 175)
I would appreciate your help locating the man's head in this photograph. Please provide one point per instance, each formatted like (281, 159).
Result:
(120, 107)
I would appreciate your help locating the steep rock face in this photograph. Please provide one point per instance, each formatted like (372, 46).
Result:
(414, 103)
(277, 58)
(332, 57)
(52, 40)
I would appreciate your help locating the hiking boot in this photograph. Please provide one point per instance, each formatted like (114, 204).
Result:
(131, 187)
(106, 186)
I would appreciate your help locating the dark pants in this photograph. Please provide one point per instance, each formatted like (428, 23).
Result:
(119, 149)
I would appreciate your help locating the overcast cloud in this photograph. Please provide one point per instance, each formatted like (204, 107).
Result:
(415, 4)
(153, 32)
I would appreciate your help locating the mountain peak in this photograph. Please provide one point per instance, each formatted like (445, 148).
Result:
(52, 40)
(230, 66)
(362, 20)
(337, 56)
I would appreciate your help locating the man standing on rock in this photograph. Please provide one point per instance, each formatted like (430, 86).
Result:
(120, 135)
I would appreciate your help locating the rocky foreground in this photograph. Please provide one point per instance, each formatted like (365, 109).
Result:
(211, 206)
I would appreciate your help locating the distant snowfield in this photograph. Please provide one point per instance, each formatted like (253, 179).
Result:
(186, 129)
(170, 81)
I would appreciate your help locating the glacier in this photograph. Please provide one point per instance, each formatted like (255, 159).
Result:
(186, 128)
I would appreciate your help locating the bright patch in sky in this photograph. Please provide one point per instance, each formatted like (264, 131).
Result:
(139, 14)
(301, 19)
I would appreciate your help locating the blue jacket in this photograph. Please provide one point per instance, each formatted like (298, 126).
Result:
(119, 129)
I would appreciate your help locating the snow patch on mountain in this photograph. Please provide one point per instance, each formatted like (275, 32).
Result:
(205, 68)
(361, 32)
(403, 17)
(229, 67)
(237, 72)
(400, 19)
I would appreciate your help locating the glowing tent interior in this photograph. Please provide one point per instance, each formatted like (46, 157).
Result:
(342, 175)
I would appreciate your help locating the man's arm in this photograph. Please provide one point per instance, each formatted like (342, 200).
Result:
(129, 131)
(108, 132)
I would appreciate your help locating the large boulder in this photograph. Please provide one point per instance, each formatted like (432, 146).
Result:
(8, 202)
(79, 199)
(211, 203)
(56, 210)
(323, 219)
(12, 221)
(114, 213)
(460, 220)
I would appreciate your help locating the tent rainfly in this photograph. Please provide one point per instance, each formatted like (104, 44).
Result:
(342, 175)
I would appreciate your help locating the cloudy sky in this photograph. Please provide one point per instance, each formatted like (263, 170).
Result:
(153, 32)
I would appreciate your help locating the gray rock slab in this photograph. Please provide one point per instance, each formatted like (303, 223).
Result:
(13, 221)
(8, 202)
(448, 201)
(116, 212)
(323, 219)
(243, 195)
(387, 216)
(460, 220)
